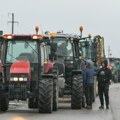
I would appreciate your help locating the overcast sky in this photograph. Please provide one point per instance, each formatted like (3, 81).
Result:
(99, 17)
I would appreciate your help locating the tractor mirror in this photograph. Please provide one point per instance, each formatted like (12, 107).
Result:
(53, 47)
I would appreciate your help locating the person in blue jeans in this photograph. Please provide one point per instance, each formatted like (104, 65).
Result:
(88, 80)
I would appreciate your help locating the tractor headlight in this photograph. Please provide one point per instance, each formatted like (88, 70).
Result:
(21, 79)
(25, 79)
(15, 78)
(18, 79)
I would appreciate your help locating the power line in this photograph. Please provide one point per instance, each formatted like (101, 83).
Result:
(12, 22)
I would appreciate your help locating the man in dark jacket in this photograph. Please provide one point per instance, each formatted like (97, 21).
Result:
(88, 77)
(104, 76)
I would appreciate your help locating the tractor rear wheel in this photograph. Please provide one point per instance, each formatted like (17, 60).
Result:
(77, 92)
(45, 98)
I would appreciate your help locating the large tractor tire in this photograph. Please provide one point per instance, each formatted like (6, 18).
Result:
(4, 104)
(77, 92)
(45, 98)
(32, 103)
(55, 94)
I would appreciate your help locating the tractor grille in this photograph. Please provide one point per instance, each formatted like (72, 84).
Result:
(18, 90)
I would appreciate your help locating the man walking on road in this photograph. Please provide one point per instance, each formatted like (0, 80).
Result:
(104, 76)
(88, 74)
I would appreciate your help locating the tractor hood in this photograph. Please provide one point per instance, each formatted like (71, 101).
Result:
(20, 67)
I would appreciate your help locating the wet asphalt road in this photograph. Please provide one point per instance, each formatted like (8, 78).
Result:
(19, 111)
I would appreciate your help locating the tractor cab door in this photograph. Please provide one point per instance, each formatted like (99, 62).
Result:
(64, 54)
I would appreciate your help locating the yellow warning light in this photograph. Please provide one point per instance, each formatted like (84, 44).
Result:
(53, 35)
(81, 28)
(89, 35)
(36, 28)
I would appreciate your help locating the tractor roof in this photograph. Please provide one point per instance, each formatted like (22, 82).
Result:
(21, 36)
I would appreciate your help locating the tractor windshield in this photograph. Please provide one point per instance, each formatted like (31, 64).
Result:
(64, 47)
(22, 50)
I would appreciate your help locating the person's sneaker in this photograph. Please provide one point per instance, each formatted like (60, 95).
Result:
(101, 107)
(107, 107)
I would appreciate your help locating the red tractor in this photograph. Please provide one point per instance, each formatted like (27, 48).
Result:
(28, 73)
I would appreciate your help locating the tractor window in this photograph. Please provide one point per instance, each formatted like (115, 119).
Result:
(22, 50)
(64, 48)
(86, 50)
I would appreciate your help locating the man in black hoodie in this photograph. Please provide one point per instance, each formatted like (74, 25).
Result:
(104, 76)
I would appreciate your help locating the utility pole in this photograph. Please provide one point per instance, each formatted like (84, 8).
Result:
(109, 54)
(13, 22)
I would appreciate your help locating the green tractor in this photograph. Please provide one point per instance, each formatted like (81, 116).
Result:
(28, 73)
(69, 64)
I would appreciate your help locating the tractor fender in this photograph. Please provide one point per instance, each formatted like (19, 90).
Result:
(48, 66)
(20, 67)
(61, 68)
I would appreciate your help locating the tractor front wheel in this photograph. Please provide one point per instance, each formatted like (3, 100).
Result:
(77, 92)
(45, 98)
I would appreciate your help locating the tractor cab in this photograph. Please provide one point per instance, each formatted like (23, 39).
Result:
(64, 53)
(26, 71)
(64, 56)
(18, 51)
